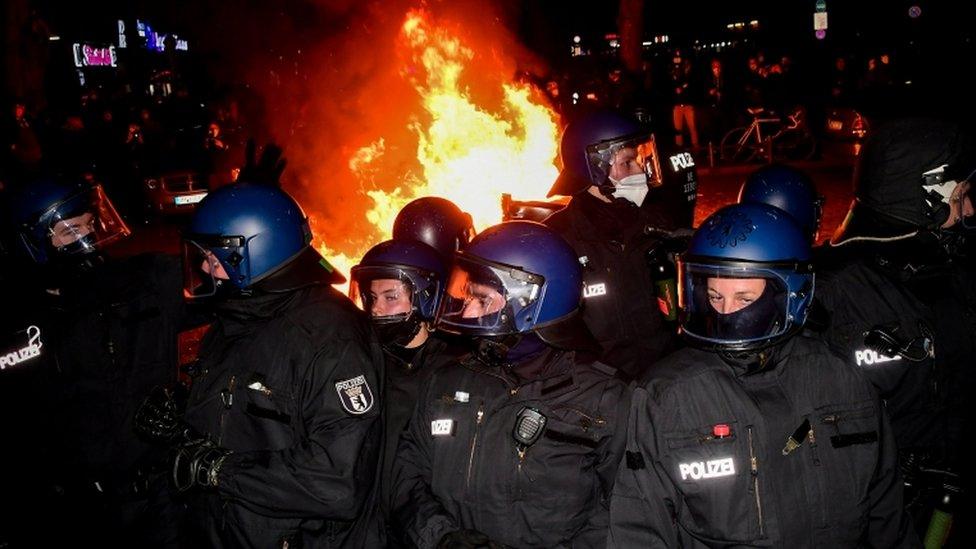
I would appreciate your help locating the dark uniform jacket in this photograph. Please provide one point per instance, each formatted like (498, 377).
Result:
(103, 340)
(620, 307)
(685, 485)
(859, 296)
(934, 309)
(405, 374)
(289, 383)
(28, 373)
(458, 466)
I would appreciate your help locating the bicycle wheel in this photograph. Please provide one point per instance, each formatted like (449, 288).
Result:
(795, 145)
(737, 146)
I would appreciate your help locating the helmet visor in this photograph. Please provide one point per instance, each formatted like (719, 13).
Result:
(487, 298)
(627, 156)
(732, 306)
(212, 264)
(84, 222)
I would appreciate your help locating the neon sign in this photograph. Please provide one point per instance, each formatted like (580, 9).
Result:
(87, 55)
(156, 41)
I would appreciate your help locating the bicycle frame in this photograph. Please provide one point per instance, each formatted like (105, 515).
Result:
(761, 135)
(756, 128)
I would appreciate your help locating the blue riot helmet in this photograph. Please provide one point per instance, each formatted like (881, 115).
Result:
(246, 234)
(435, 221)
(515, 278)
(61, 222)
(400, 283)
(594, 142)
(746, 280)
(788, 189)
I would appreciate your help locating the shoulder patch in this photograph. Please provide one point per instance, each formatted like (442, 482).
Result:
(355, 395)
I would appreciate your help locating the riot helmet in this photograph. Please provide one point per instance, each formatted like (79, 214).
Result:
(912, 179)
(611, 151)
(58, 222)
(746, 280)
(400, 284)
(788, 189)
(247, 234)
(517, 277)
(435, 221)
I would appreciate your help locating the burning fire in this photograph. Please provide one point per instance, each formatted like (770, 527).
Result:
(466, 152)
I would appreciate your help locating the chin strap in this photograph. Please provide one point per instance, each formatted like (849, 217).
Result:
(493, 351)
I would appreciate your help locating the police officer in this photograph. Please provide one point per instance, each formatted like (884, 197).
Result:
(622, 193)
(517, 443)
(759, 436)
(89, 336)
(437, 222)
(283, 431)
(899, 289)
(400, 283)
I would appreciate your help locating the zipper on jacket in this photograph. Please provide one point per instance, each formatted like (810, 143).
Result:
(227, 397)
(474, 443)
(754, 469)
(520, 471)
(813, 446)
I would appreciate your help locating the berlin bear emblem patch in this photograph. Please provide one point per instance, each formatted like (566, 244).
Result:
(355, 395)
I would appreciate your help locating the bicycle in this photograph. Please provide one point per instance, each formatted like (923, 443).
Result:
(788, 138)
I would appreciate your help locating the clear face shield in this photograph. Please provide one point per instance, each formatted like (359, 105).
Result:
(735, 307)
(485, 298)
(213, 264)
(386, 293)
(627, 157)
(83, 223)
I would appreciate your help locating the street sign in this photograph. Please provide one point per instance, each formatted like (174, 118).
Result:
(820, 21)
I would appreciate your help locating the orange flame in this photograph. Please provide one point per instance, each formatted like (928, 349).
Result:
(466, 152)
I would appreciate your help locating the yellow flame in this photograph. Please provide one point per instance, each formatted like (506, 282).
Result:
(467, 154)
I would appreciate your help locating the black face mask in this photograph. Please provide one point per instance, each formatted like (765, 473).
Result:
(759, 319)
(528, 347)
(397, 330)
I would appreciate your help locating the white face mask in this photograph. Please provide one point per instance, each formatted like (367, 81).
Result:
(632, 188)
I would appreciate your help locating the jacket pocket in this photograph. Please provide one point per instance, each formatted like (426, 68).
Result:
(265, 401)
(717, 478)
(846, 449)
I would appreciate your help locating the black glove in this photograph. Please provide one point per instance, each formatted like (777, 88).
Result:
(159, 417)
(267, 170)
(467, 539)
(197, 463)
